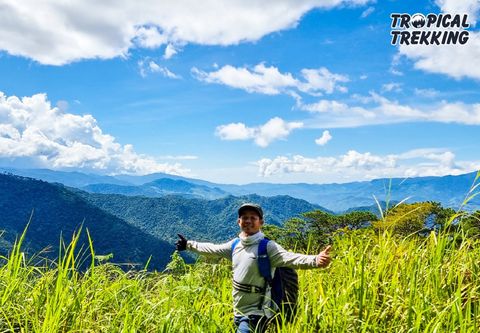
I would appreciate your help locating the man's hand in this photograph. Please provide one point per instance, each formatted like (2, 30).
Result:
(323, 258)
(181, 244)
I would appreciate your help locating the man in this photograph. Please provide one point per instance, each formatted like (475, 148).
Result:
(252, 309)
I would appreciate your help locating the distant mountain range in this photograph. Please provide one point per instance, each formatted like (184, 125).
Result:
(138, 217)
(133, 228)
(450, 191)
(159, 188)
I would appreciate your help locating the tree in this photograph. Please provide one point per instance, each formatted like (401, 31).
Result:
(420, 217)
(313, 230)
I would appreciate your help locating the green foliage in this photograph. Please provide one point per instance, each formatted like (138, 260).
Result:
(471, 224)
(315, 229)
(177, 265)
(212, 220)
(406, 219)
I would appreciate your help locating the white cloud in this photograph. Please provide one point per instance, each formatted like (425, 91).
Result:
(322, 79)
(415, 163)
(326, 137)
(457, 113)
(274, 129)
(457, 61)
(270, 81)
(428, 93)
(367, 12)
(235, 131)
(264, 80)
(335, 109)
(178, 157)
(30, 129)
(170, 51)
(392, 86)
(147, 66)
(396, 62)
(149, 37)
(381, 110)
(470, 7)
(58, 33)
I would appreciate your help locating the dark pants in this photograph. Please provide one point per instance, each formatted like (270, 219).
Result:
(250, 324)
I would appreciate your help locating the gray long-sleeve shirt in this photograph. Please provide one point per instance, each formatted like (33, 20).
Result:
(245, 268)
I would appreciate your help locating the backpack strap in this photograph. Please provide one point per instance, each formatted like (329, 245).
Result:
(263, 261)
(264, 267)
(234, 244)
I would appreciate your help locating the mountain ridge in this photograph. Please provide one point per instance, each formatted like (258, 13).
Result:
(449, 190)
(136, 229)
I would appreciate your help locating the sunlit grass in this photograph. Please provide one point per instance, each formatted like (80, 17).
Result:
(376, 283)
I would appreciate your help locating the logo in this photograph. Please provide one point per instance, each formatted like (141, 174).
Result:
(432, 29)
(418, 20)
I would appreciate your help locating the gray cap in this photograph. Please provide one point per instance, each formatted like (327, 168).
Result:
(250, 206)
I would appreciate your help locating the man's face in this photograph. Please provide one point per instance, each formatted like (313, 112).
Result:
(250, 223)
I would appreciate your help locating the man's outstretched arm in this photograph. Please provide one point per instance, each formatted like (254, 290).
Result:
(279, 257)
(209, 249)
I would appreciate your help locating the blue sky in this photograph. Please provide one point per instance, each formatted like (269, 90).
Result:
(236, 92)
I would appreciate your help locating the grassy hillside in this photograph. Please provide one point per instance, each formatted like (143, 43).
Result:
(376, 283)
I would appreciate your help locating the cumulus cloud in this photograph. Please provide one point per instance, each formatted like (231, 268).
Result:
(262, 79)
(457, 61)
(270, 81)
(31, 129)
(322, 141)
(381, 110)
(274, 129)
(414, 163)
(322, 79)
(470, 7)
(56, 33)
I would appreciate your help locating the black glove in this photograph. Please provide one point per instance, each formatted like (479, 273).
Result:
(181, 244)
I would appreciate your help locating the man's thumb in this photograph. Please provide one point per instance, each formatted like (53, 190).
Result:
(327, 249)
(181, 237)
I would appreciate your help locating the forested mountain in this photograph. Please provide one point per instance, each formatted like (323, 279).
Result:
(159, 188)
(213, 220)
(130, 227)
(58, 211)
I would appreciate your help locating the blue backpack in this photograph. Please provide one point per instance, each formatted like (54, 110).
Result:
(283, 284)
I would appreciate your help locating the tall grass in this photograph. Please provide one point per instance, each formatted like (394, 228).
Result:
(376, 283)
